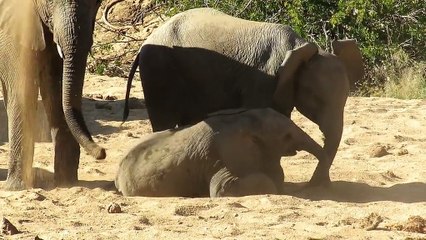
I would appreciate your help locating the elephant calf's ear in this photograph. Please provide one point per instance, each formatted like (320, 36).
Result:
(283, 95)
(19, 19)
(349, 53)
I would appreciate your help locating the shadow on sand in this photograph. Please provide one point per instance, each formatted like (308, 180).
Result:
(94, 110)
(342, 191)
(338, 191)
(3, 174)
(45, 179)
(102, 184)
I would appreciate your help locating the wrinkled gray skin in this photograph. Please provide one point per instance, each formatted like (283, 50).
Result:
(202, 60)
(33, 36)
(231, 153)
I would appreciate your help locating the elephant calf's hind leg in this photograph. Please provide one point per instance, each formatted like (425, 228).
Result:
(223, 184)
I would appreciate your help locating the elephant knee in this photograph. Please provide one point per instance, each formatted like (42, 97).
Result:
(255, 184)
(224, 184)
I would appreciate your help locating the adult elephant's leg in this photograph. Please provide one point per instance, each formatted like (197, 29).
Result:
(21, 105)
(66, 147)
(224, 184)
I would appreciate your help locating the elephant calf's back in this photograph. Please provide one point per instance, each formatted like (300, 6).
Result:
(161, 166)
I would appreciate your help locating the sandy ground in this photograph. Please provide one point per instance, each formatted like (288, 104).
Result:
(378, 189)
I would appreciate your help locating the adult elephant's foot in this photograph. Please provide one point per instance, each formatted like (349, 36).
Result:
(14, 184)
(67, 155)
(66, 178)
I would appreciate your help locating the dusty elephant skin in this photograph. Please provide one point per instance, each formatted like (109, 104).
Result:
(203, 60)
(231, 153)
(44, 46)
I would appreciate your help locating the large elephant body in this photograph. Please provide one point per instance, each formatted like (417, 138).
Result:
(230, 153)
(203, 60)
(44, 46)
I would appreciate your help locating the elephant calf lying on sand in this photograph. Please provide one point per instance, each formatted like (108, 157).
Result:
(232, 153)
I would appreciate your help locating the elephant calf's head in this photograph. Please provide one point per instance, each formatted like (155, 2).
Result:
(317, 83)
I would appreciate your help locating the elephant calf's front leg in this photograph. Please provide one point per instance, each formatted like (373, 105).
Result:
(224, 184)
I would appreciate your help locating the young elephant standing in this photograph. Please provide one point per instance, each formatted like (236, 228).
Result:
(231, 153)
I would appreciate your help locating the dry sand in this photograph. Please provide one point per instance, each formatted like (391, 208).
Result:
(378, 189)
(379, 182)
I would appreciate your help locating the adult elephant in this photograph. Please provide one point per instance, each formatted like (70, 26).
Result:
(44, 46)
(203, 60)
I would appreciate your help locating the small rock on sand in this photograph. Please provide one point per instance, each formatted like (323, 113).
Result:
(378, 150)
(114, 208)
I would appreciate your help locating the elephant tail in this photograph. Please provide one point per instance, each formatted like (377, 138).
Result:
(129, 86)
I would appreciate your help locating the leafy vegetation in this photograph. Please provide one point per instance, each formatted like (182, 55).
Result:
(386, 30)
(402, 77)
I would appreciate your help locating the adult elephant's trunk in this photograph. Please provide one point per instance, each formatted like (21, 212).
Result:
(75, 39)
(74, 68)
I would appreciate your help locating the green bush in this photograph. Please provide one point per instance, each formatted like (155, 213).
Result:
(383, 28)
(403, 78)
